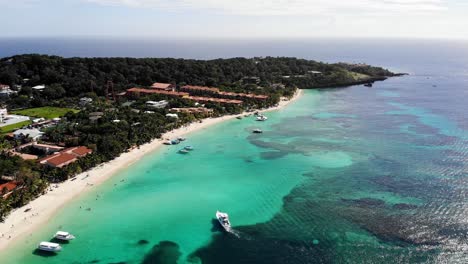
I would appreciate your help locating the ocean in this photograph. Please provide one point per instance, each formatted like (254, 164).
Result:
(342, 175)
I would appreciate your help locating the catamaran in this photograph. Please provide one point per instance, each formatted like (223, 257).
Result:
(223, 219)
(61, 235)
(48, 246)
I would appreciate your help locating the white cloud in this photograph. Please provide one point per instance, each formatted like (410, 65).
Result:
(287, 7)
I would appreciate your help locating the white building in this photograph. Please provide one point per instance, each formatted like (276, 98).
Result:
(3, 114)
(34, 134)
(160, 104)
(39, 87)
(85, 100)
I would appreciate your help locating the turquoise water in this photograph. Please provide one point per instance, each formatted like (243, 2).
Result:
(340, 176)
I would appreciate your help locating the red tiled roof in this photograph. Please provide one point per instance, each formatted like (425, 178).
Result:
(9, 185)
(149, 91)
(81, 151)
(61, 159)
(217, 100)
(163, 86)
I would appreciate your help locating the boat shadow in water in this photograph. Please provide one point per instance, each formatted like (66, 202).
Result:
(59, 241)
(45, 254)
(215, 226)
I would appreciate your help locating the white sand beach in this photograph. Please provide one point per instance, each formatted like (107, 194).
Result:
(22, 221)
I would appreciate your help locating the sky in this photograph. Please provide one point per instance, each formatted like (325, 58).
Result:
(438, 19)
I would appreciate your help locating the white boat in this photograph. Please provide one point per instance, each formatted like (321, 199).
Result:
(223, 219)
(61, 235)
(183, 151)
(188, 148)
(261, 118)
(257, 131)
(167, 142)
(48, 246)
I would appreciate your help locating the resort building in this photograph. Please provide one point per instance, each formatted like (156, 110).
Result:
(172, 116)
(5, 90)
(163, 86)
(215, 100)
(193, 110)
(216, 91)
(85, 100)
(34, 134)
(39, 87)
(136, 92)
(7, 188)
(48, 149)
(65, 157)
(154, 104)
(3, 114)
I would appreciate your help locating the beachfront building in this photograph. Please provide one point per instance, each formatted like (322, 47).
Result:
(39, 87)
(85, 100)
(3, 114)
(163, 86)
(7, 188)
(5, 90)
(193, 110)
(33, 134)
(137, 92)
(159, 104)
(215, 100)
(65, 157)
(46, 148)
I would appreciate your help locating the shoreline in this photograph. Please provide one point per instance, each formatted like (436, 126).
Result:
(19, 224)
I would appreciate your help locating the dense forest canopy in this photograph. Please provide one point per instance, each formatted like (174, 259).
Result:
(80, 75)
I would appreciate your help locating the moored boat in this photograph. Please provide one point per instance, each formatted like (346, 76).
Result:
(181, 139)
(49, 246)
(257, 131)
(183, 151)
(261, 118)
(223, 219)
(62, 235)
(188, 148)
(175, 142)
(167, 142)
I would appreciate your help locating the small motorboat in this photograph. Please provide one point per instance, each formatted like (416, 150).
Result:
(257, 131)
(167, 142)
(49, 246)
(368, 84)
(181, 139)
(223, 219)
(262, 118)
(183, 151)
(188, 148)
(239, 117)
(62, 235)
(175, 142)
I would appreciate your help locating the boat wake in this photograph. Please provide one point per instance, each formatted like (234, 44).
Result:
(234, 232)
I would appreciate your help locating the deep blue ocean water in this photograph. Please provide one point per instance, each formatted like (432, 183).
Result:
(348, 175)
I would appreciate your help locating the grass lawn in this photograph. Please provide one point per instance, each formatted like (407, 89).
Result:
(47, 112)
(10, 128)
